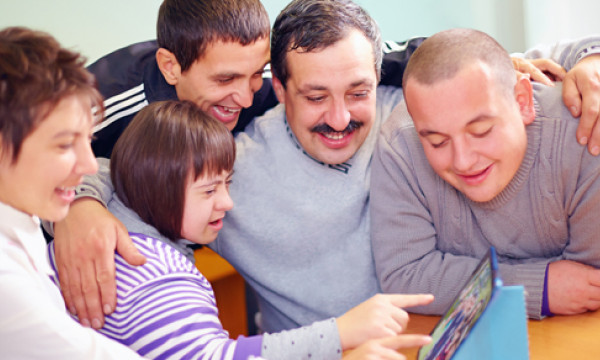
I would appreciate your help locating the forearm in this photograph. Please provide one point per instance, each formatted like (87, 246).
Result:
(566, 53)
(405, 248)
(318, 341)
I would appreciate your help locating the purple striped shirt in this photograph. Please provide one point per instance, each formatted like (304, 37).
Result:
(166, 309)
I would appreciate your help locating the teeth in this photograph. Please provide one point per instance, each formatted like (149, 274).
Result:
(335, 135)
(226, 110)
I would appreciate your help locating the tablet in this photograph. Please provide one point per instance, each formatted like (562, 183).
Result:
(455, 324)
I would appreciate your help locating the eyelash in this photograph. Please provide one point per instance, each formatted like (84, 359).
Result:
(480, 135)
(356, 96)
(212, 191)
(483, 133)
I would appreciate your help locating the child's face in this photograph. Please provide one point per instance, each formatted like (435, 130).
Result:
(52, 161)
(473, 134)
(206, 201)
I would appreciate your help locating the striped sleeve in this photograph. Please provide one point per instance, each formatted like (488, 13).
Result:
(166, 309)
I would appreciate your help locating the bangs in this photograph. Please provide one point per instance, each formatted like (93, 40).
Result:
(213, 149)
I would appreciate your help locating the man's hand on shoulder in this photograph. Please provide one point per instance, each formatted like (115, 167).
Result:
(581, 94)
(85, 243)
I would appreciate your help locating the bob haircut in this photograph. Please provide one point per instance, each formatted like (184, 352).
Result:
(309, 25)
(36, 73)
(187, 27)
(166, 145)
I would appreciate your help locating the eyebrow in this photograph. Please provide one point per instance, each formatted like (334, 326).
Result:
(66, 133)
(315, 87)
(237, 74)
(216, 182)
(480, 118)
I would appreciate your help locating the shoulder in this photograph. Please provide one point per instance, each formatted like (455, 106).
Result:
(123, 68)
(398, 124)
(262, 129)
(549, 104)
(161, 258)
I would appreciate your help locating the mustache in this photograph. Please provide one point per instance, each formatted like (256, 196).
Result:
(324, 128)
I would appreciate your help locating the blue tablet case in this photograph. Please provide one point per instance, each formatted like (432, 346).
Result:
(501, 331)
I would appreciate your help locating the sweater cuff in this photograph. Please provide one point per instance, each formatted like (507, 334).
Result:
(545, 303)
(247, 347)
(321, 340)
(531, 276)
(591, 50)
(86, 191)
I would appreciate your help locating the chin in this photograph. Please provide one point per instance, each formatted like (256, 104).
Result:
(55, 214)
(481, 198)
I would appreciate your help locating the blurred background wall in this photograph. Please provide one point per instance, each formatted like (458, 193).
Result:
(98, 27)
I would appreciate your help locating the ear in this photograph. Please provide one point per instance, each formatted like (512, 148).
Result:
(168, 65)
(524, 98)
(279, 90)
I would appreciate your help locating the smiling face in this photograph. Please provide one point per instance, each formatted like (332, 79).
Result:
(472, 132)
(206, 202)
(330, 97)
(52, 161)
(223, 81)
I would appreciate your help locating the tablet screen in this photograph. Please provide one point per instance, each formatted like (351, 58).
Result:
(468, 306)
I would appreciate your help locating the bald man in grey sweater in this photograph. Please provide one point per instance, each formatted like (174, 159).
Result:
(488, 160)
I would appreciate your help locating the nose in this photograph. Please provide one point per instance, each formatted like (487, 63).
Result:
(245, 95)
(338, 115)
(464, 156)
(86, 163)
(224, 201)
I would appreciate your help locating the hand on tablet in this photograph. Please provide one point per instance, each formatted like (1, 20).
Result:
(386, 348)
(378, 317)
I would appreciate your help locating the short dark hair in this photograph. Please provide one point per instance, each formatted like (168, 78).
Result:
(309, 25)
(187, 27)
(36, 73)
(166, 144)
(444, 54)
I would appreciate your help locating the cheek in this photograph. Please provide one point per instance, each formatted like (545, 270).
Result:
(363, 111)
(440, 161)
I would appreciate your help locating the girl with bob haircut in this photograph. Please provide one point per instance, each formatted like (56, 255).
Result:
(171, 169)
(46, 101)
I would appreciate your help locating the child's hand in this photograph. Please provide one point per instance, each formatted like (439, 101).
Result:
(378, 317)
(386, 348)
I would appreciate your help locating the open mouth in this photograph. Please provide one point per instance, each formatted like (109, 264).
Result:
(225, 114)
(67, 193)
(216, 224)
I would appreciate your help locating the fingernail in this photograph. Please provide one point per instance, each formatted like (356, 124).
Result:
(595, 150)
(573, 110)
(583, 140)
(73, 311)
(107, 309)
(85, 323)
(96, 324)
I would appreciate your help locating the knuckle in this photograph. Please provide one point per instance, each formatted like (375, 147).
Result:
(590, 112)
(104, 276)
